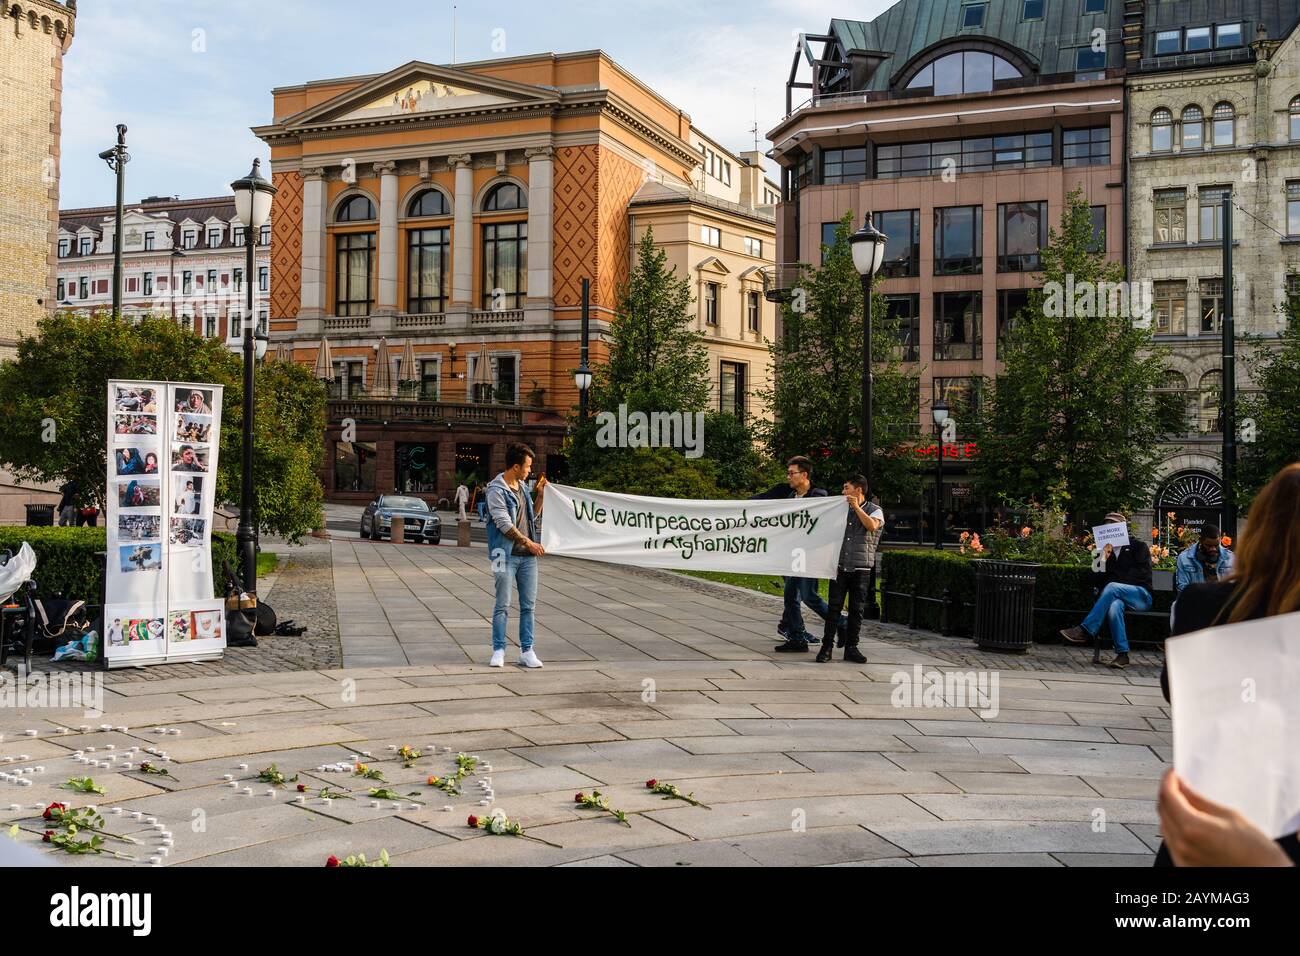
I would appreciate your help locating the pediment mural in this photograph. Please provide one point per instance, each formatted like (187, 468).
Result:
(424, 96)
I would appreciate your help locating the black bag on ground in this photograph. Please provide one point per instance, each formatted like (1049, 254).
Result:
(241, 613)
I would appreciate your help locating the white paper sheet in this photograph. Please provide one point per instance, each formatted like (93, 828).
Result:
(1236, 707)
(1114, 534)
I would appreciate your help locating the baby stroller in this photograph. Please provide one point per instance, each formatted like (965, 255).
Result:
(30, 622)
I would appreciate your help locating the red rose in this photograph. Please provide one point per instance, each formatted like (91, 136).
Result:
(650, 784)
(302, 788)
(48, 835)
(473, 821)
(332, 861)
(49, 811)
(577, 798)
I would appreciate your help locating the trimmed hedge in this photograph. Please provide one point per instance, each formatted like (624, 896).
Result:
(69, 561)
(1066, 587)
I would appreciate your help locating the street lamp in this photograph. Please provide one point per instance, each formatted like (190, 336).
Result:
(582, 377)
(171, 283)
(253, 207)
(940, 412)
(868, 245)
(117, 157)
(1228, 398)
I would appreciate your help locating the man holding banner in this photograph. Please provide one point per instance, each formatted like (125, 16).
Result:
(857, 557)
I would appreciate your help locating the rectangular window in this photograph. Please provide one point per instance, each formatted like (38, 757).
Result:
(1086, 59)
(210, 325)
(240, 236)
(427, 272)
(972, 15)
(354, 261)
(958, 240)
(355, 465)
(801, 174)
(1197, 38)
(189, 239)
(214, 237)
(349, 377)
(505, 265)
(711, 236)
(753, 311)
(1032, 10)
(1086, 147)
(148, 242)
(415, 466)
(187, 283)
(710, 303)
(429, 369)
(902, 231)
(60, 288)
(1170, 216)
(957, 326)
(844, 165)
(263, 278)
(506, 379)
(86, 243)
(905, 312)
(754, 247)
(148, 283)
(1293, 207)
(731, 388)
(83, 287)
(1013, 151)
(1098, 243)
(1022, 233)
(1211, 305)
(1170, 308)
(264, 239)
(1211, 222)
(1010, 302)
(132, 284)
(1227, 34)
(1094, 6)
(212, 279)
(65, 247)
(960, 394)
(828, 238)
(238, 280)
(1169, 41)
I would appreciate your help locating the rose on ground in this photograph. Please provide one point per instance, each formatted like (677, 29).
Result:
(48, 835)
(650, 784)
(332, 861)
(473, 821)
(54, 808)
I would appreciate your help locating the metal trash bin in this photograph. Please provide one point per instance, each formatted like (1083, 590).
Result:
(40, 516)
(1004, 604)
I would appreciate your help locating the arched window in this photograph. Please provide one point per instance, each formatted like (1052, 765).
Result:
(355, 209)
(1193, 128)
(1210, 387)
(1162, 130)
(503, 197)
(967, 71)
(431, 202)
(1295, 119)
(1223, 123)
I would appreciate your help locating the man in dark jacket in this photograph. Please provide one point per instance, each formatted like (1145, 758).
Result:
(798, 484)
(1128, 585)
(857, 557)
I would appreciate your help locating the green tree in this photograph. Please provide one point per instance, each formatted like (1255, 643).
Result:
(1075, 409)
(53, 403)
(1269, 437)
(657, 361)
(816, 395)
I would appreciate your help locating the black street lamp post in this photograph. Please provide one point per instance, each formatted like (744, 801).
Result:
(582, 377)
(1229, 375)
(868, 245)
(253, 206)
(940, 412)
(117, 157)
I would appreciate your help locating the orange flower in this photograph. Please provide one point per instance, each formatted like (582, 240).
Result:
(1155, 533)
(1227, 541)
(1024, 532)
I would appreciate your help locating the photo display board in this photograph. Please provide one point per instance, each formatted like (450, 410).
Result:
(159, 605)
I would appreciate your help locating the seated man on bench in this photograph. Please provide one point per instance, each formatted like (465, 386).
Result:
(1128, 585)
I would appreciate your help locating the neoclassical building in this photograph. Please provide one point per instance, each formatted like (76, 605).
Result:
(34, 36)
(1214, 105)
(181, 258)
(432, 230)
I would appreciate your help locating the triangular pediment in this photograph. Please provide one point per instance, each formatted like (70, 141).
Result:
(421, 89)
(713, 264)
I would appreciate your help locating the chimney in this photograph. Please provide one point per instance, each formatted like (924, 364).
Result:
(751, 178)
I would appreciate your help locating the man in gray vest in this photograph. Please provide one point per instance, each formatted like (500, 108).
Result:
(857, 557)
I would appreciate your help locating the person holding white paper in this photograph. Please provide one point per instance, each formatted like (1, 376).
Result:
(1128, 586)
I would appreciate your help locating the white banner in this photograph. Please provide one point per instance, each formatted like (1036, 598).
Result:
(796, 537)
(162, 471)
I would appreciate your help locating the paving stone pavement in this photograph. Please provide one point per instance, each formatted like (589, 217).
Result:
(646, 676)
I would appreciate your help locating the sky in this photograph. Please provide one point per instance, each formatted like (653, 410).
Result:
(189, 77)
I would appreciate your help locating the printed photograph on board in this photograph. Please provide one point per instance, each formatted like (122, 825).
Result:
(189, 458)
(135, 461)
(188, 530)
(139, 493)
(134, 398)
(194, 401)
(139, 527)
(187, 495)
(193, 428)
(135, 424)
(140, 557)
(185, 626)
(124, 631)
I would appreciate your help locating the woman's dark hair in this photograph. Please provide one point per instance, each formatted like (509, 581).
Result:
(516, 453)
(1267, 569)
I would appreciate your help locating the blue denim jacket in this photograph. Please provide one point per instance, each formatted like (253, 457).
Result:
(1187, 569)
(503, 505)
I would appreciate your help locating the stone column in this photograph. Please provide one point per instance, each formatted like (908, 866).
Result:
(314, 254)
(540, 191)
(462, 233)
(386, 294)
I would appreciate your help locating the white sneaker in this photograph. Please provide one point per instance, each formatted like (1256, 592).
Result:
(498, 659)
(529, 659)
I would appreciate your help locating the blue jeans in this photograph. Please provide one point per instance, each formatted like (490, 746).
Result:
(520, 572)
(1110, 607)
(481, 508)
(804, 590)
